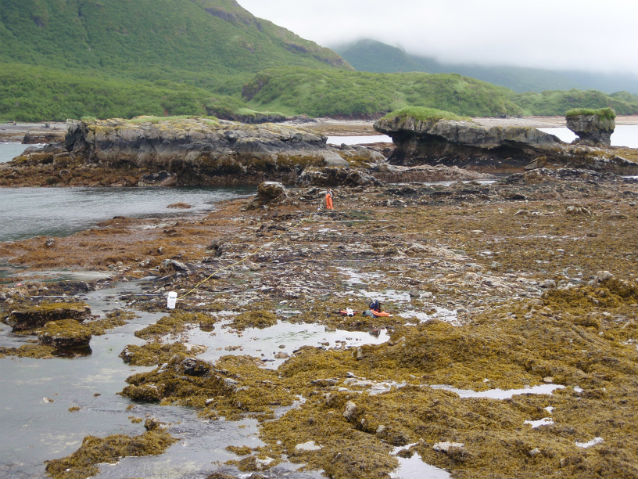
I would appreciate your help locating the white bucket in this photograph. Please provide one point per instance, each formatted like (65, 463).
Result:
(171, 300)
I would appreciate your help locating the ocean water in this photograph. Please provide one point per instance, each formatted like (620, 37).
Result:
(28, 212)
(8, 151)
(624, 135)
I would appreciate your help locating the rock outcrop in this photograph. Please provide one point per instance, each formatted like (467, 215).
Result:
(462, 143)
(199, 151)
(269, 192)
(593, 127)
(178, 152)
(494, 150)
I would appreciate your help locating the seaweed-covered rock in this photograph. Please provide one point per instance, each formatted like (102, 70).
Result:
(269, 192)
(194, 367)
(36, 316)
(593, 127)
(94, 450)
(65, 334)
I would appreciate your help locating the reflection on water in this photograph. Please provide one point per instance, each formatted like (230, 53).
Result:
(35, 397)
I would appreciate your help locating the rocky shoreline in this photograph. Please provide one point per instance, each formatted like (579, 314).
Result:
(526, 281)
(522, 282)
(207, 152)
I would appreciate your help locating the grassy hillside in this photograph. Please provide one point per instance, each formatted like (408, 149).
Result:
(31, 93)
(558, 102)
(373, 56)
(126, 37)
(68, 58)
(64, 59)
(346, 93)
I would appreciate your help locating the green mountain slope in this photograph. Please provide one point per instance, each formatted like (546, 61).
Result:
(64, 59)
(124, 36)
(210, 48)
(355, 94)
(373, 56)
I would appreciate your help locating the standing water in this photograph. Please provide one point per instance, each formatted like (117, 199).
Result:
(28, 212)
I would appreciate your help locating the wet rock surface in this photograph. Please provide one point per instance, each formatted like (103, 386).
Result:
(67, 334)
(525, 281)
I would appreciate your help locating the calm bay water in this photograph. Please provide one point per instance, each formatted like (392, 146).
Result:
(28, 212)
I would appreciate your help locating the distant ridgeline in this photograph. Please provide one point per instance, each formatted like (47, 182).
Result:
(373, 56)
(122, 58)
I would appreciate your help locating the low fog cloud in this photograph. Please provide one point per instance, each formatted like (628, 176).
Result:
(558, 34)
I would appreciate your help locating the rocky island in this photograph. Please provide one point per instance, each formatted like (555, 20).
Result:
(510, 349)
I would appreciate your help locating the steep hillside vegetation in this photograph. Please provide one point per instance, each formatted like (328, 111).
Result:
(346, 93)
(206, 36)
(53, 53)
(64, 59)
(374, 56)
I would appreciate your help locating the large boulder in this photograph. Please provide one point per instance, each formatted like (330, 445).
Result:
(593, 127)
(35, 316)
(269, 192)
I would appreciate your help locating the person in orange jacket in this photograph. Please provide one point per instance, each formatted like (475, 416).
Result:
(329, 200)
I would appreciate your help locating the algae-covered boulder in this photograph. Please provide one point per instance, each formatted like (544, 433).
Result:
(593, 127)
(270, 192)
(94, 450)
(66, 334)
(36, 316)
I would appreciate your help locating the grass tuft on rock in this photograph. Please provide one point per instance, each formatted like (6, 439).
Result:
(420, 113)
(603, 113)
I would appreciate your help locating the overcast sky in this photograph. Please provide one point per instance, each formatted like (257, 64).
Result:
(598, 35)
